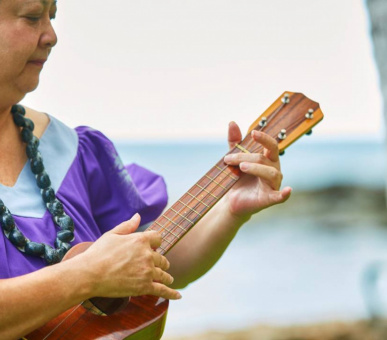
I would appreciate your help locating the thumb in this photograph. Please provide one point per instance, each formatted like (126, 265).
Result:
(234, 134)
(282, 196)
(127, 227)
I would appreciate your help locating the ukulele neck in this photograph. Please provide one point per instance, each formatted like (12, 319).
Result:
(287, 119)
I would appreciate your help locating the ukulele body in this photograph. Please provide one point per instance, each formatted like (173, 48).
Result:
(142, 319)
(134, 318)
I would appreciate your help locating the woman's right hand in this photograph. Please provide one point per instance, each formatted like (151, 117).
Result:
(124, 263)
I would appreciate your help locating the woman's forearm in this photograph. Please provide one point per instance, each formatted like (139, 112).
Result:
(202, 247)
(29, 301)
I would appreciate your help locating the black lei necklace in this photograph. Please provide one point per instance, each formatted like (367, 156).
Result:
(65, 223)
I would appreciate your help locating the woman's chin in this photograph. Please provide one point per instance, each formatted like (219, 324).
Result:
(28, 86)
(18, 92)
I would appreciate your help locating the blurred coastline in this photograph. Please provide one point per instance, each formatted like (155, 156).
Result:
(336, 330)
(309, 164)
(308, 285)
(296, 268)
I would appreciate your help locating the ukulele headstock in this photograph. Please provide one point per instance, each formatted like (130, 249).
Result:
(291, 116)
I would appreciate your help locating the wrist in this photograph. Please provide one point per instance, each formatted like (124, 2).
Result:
(234, 218)
(238, 219)
(82, 277)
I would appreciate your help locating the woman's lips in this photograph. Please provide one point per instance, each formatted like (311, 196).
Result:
(38, 62)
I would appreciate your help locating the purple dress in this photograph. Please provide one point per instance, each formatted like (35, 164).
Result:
(96, 190)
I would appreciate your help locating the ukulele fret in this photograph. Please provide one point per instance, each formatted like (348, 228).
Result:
(208, 192)
(165, 233)
(224, 179)
(200, 201)
(227, 173)
(163, 228)
(166, 240)
(213, 180)
(173, 222)
(170, 232)
(186, 212)
(211, 186)
(178, 213)
(187, 206)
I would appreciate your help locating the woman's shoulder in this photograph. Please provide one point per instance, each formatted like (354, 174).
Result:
(40, 119)
(60, 137)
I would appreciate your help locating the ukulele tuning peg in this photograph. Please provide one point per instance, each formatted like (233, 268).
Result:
(309, 133)
(281, 153)
(282, 134)
(285, 99)
(263, 122)
(309, 114)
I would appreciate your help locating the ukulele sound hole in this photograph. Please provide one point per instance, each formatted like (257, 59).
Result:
(105, 306)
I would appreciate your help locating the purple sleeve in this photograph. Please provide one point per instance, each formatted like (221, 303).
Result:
(116, 191)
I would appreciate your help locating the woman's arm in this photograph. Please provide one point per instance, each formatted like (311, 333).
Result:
(29, 301)
(258, 189)
(120, 263)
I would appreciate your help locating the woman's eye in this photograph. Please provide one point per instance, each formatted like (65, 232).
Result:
(33, 18)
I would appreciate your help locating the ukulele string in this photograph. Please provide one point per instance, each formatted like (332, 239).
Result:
(79, 330)
(62, 321)
(274, 114)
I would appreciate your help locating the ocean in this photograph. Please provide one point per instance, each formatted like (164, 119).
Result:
(281, 269)
(308, 164)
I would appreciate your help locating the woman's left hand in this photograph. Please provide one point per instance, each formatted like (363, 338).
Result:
(260, 184)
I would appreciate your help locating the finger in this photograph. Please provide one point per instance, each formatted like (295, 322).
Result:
(285, 193)
(234, 134)
(154, 238)
(281, 196)
(162, 276)
(269, 143)
(267, 173)
(160, 261)
(127, 227)
(237, 158)
(158, 289)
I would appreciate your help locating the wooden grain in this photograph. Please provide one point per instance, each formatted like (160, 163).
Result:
(143, 318)
(291, 116)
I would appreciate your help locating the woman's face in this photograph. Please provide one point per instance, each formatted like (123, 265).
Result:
(26, 40)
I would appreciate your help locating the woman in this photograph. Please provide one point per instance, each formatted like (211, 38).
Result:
(88, 194)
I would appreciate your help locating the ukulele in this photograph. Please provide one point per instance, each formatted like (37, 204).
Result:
(143, 318)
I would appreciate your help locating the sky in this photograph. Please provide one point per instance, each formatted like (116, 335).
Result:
(176, 69)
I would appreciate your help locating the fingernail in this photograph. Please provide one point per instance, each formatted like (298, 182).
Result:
(136, 216)
(228, 158)
(256, 133)
(244, 166)
(179, 296)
